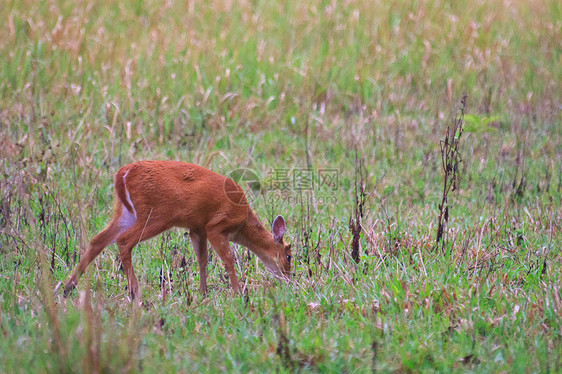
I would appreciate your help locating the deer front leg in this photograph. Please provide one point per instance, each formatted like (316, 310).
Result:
(219, 242)
(199, 241)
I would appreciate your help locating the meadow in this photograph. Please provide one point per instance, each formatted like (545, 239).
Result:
(339, 109)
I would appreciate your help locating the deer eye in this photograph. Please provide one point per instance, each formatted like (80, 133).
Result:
(289, 258)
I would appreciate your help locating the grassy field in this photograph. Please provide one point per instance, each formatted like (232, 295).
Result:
(358, 95)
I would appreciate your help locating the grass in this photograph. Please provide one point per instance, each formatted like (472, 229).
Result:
(279, 88)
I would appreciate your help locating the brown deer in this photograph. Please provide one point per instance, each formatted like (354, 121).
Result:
(154, 196)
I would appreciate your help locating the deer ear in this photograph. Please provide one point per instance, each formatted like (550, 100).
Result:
(278, 229)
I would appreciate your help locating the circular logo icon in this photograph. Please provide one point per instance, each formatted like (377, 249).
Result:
(248, 180)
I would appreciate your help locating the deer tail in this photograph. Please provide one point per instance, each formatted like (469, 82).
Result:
(121, 189)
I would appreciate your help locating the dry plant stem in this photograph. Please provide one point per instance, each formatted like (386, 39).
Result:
(81, 222)
(308, 245)
(283, 348)
(450, 162)
(50, 306)
(91, 361)
(355, 220)
(66, 228)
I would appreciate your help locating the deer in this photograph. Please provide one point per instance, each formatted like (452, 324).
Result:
(151, 197)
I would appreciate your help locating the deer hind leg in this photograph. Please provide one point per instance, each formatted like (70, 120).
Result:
(141, 230)
(199, 241)
(122, 220)
(219, 241)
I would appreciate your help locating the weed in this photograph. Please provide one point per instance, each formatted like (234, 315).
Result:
(359, 202)
(450, 163)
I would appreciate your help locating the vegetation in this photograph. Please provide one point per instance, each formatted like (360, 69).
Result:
(358, 94)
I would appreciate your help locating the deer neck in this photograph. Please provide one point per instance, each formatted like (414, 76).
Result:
(255, 237)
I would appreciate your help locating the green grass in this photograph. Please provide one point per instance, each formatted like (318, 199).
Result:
(86, 87)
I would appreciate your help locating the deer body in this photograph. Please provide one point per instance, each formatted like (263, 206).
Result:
(154, 196)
